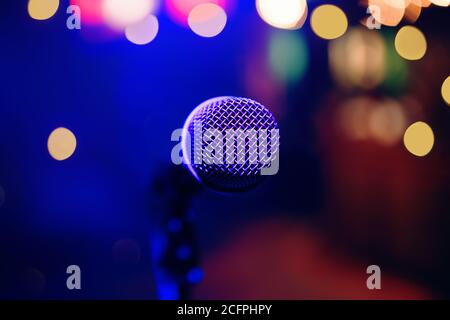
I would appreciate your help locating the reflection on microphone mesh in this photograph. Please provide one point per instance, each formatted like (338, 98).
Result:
(232, 140)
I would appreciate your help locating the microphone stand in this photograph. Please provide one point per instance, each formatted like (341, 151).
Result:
(175, 255)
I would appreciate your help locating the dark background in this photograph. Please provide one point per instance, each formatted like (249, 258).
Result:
(123, 101)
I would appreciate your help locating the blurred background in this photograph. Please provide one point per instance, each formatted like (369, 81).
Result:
(361, 91)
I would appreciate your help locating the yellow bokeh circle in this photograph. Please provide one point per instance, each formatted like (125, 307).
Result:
(445, 90)
(419, 139)
(42, 9)
(61, 144)
(410, 43)
(329, 22)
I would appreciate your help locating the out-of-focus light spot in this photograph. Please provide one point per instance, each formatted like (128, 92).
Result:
(61, 144)
(329, 22)
(413, 10)
(42, 9)
(387, 122)
(179, 10)
(288, 56)
(94, 27)
(144, 31)
(445, 90)
(419, 139)
(91, 11)
(364, 118)
(358, 59)
(126, 252)
(388, 12)
(2, 196)
(259, 79)
(184, 252)
(410, 43)
(195, 275)
(175, 225)
(441, 3)
(354, 116)
(120, 14)
(168, 291)
(397, 71)
(207, 20)
(283, 14)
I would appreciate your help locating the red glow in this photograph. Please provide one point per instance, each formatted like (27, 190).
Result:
(91, 11)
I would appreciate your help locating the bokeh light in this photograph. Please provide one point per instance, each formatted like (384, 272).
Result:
(358, 59)
(410, 43)
(445, 90)
(207, 20)
(95, 28)
(283, 14)
(144, 31)
(91, 11)
(354, 116)
(387, 122)
(259, 79)
(288, 56)
(42, 9)
(365, 118)
(413, 10)
(120, 14)
(388, 12)
(419, 139)
(441, 3)
(179, 10)
(329, 22)
(397, 71)
(61, 144)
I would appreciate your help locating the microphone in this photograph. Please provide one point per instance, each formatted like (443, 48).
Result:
(230, 144)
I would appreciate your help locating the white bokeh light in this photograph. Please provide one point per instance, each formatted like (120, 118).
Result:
(144, 31)
(120, 14)
(283, 14)
(207, 20)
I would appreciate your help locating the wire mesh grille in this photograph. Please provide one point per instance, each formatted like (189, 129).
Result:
(235, 126)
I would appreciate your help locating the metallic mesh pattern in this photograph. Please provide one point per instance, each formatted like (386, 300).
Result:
(242, 170)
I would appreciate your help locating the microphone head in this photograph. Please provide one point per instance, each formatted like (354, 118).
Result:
(229, 142)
